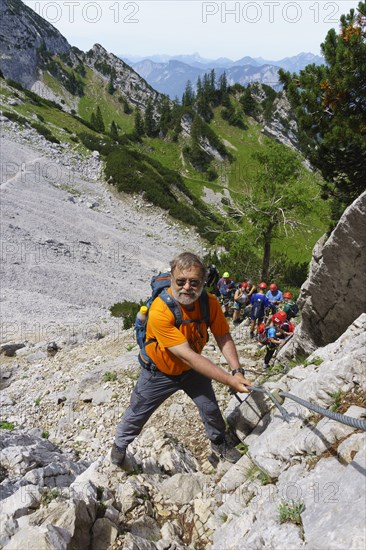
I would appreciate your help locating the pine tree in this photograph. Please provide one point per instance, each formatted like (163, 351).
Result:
(111, 89)
(126, 107)
(114, 131)
(99, 123)
(149, 122)
(249, 104)
(139, 124)
(223, 84)
(165, 115)
(330, 105)
(176, 117)
(188, 95)
(277, 198)
(199, 89)
(212, 86)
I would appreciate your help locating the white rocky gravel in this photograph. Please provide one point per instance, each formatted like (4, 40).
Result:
(70, 248)
(171, 495)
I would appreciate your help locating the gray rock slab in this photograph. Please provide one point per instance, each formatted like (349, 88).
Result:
(40, 538)
(25, 500)
(56, 474)
(334, 495)
(244, 417)
(104, 533)
(147, 528)
(130, 494)
(182, 488)
(71, 515)
(134, 542)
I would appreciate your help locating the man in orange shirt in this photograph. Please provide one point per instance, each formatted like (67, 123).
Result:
(177, 362)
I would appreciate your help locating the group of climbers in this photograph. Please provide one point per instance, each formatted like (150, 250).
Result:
(270, 310)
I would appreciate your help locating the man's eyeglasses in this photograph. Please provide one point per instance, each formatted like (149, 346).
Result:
(195, 283)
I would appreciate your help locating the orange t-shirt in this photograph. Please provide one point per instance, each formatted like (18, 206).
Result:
(161, 327)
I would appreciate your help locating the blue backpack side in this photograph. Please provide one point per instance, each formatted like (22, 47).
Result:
(159, 285)
(257, 307)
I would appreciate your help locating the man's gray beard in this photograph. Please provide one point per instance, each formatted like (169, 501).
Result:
(184, 300)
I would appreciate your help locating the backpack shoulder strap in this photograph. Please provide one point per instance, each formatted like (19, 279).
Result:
(177, 312)
(205, 307)
(172, 305)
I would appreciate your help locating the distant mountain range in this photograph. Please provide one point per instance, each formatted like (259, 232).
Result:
(169, 74)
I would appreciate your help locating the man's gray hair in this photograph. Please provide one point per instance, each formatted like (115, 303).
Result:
(186, 260)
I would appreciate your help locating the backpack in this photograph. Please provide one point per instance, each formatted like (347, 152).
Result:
(159, 285)
(288, 327)
(257, 307)
(293, 311)
(262, 334)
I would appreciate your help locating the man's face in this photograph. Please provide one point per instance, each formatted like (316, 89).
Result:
(187, 285)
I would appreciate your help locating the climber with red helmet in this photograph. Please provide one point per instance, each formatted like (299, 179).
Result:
(283, 323)
(289, 306)
(259, 303)
(275, 297)
(275, 337)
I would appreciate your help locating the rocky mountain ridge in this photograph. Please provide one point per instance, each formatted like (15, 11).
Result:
(126, 80)
(49, 66)
(169, 74)
(291, 63)
(28, 48)
(23, 32)
(171, 78)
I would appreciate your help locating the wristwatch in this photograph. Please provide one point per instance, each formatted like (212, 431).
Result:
(240, 369)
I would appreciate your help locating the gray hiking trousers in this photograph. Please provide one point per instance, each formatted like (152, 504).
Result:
(153, 388)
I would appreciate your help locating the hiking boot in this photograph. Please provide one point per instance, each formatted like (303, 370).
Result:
(117, 455)
(252, 334)
(225, 450)
(265, 366)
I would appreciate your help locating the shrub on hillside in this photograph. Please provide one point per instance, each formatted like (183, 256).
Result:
(127, 310)
(14, 84)
(15, 117)
(134, 172)
(44, 131)
(94, 142)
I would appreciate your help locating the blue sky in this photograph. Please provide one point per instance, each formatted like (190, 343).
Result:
(271, 29)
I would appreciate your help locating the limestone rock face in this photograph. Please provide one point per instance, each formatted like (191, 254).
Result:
(24, 32)
(128, 82)
(276, 128)
(333, 295)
